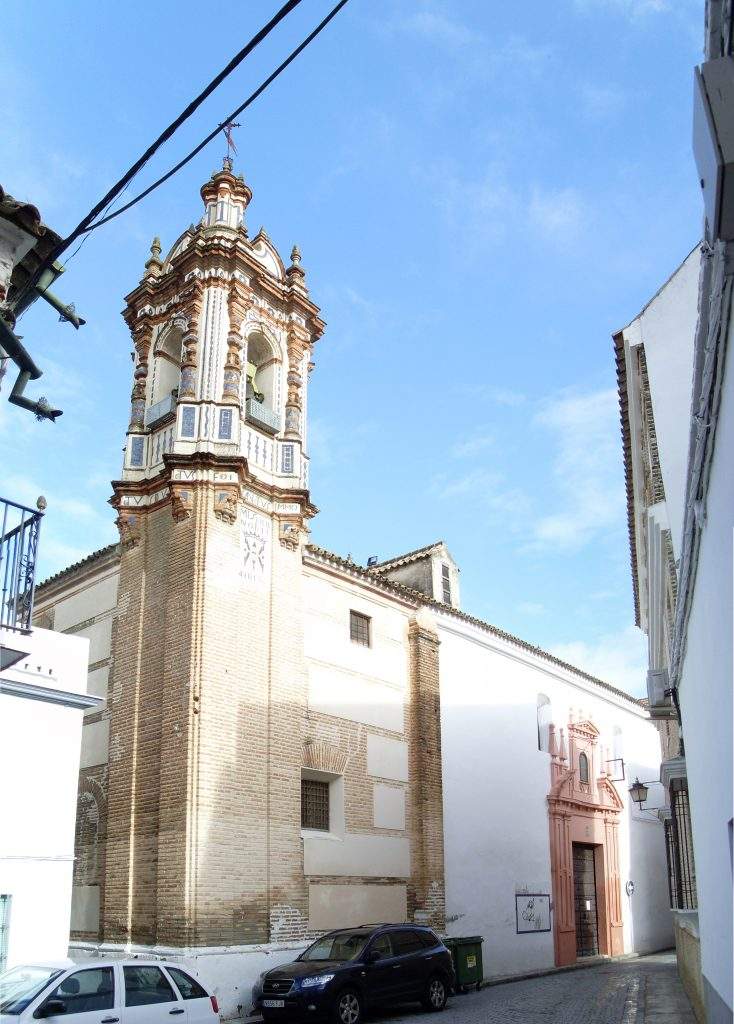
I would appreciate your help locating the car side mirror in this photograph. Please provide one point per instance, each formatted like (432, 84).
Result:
(373, 956)
(51, 1008)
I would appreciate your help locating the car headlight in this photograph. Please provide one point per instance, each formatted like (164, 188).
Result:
(316, 980)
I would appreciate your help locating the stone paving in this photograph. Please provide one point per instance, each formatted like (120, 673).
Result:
(644, 990)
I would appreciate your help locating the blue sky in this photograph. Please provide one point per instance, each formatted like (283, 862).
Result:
(482, 193)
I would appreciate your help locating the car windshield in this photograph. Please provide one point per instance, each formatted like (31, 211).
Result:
(19, 986)
(337, 946)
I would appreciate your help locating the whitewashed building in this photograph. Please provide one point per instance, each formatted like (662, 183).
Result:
(43, 697)
(677, 403)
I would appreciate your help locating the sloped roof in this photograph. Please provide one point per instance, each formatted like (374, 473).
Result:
(70, 569)
(409, 556)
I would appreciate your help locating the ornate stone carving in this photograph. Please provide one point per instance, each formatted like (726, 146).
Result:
(182, 502)
(129, 525)
(190, 341)
(225, 504)
(290, 536)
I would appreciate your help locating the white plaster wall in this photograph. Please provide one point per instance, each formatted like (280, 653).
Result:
(39, 767)
(495, 786)
(366, 855)
(389, 806)
(99, 635)
(87, 602)
(329, 906)
(328, 601)
(667, 328)
(706, 705)
(360, 699)
(387, 758)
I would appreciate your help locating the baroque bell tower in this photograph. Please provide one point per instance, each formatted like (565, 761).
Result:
(208, 659)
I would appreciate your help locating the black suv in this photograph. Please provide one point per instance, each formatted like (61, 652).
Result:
(346, 972)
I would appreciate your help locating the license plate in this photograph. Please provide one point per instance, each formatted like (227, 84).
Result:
(273, 1004)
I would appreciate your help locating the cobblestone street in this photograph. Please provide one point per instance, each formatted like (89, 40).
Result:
(641, 991)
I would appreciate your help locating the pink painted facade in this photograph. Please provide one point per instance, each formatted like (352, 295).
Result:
(583, 808)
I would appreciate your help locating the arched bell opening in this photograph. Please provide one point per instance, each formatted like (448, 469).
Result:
(262, 367)
(166, 374)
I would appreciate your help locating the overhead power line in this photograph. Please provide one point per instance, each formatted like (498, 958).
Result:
(166, 134)
(230, 117)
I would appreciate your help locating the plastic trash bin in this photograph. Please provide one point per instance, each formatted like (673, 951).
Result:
(467, 956)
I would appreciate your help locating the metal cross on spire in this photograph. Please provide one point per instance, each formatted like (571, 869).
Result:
(231, 148)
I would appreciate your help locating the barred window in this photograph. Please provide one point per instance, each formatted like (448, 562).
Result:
(4, 929)
(446, 583)
(315, 804)
(683, 868)
(359, 628)
(286, 460)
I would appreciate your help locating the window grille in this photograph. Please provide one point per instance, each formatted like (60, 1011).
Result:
(4, 929)
(446, 583)
(315, 804)
(685, 869)
(671, 856)
(225, 424)
(359, 628)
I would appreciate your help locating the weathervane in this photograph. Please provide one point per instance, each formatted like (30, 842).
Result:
(231, 148)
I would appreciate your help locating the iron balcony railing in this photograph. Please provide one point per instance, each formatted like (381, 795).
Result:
(166, 407)
(18, 552)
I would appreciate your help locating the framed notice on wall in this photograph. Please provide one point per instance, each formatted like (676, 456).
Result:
(532, 912)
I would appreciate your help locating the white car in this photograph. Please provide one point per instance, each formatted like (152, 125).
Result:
(105, 992)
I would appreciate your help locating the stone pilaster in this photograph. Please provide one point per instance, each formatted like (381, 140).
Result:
(426, 887)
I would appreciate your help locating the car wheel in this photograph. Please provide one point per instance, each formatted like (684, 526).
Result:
(436, 994)
(348, 1007)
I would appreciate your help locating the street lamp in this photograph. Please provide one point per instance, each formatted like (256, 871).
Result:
(638, 791)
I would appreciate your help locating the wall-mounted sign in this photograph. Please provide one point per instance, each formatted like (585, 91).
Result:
(532, 912)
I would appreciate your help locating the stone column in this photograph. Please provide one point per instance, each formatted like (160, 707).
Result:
(237, 310)
(142, 340)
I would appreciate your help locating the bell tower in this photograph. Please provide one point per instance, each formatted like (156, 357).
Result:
(208, 661)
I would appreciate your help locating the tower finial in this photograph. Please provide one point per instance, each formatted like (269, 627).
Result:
(227, 164)
(154, 265)
(295, 255)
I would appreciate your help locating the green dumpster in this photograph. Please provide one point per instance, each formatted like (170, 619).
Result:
(467, 956)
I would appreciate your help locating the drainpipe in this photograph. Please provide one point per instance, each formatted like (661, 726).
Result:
(11, 345)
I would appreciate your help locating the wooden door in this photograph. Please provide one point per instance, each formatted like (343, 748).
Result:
(584, 891)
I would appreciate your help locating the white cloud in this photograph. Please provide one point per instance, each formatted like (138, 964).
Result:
(586, 469)
(618, 658)
(436, 26)
(480, 483)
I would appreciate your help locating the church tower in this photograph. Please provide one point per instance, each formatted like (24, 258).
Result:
(212, 507)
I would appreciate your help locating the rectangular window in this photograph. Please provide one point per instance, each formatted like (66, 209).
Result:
(4, 929)
(446, 583)
(359, 628)
(137, 450)
(286, 459)
(225, 424)
(315, 804)
(188, 421)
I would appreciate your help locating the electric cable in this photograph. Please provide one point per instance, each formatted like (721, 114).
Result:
(235, 113)
(166, 134)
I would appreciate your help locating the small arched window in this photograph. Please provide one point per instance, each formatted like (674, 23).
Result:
(545, 715)
(583, 769)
